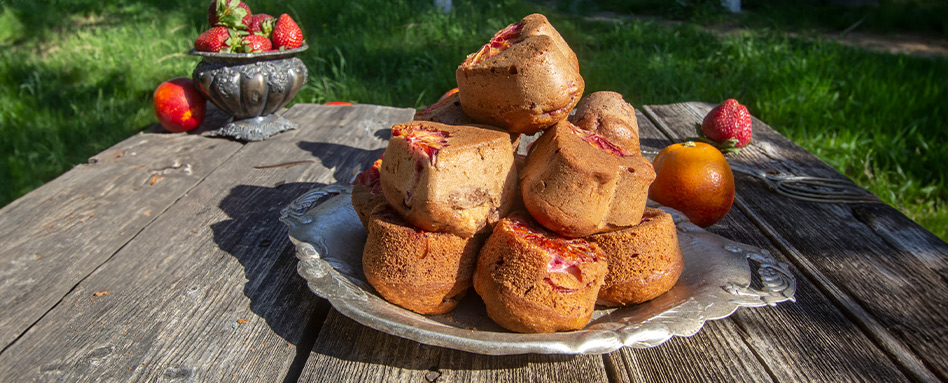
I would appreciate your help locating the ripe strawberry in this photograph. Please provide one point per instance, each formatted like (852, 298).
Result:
(261, 24)
(728, 126)
(286, 34)
(218, 39)
(229, 13)
(255, 44)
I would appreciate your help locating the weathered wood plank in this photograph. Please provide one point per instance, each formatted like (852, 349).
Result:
(58, 234)
(897, 295)
(715, 354)
(350, 352)
(811, 339)
(208, 291)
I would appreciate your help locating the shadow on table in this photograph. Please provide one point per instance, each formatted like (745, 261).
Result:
(345, 160)
(254, 236)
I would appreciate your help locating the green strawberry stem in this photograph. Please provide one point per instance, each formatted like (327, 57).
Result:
(231, 14)
(728, 146)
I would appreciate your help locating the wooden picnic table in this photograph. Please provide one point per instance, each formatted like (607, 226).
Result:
(163, 259)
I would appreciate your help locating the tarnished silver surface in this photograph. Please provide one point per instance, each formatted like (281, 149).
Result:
(716, 281)
(251, 87)
(253, 128)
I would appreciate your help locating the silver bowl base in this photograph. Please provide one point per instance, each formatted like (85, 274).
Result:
(254, 128)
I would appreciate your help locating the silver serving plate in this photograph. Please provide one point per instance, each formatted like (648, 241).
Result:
(717, 279)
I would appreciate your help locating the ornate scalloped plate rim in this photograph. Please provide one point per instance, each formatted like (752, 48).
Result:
(610, 329)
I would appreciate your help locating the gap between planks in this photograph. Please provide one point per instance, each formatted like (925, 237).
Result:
(911, 364)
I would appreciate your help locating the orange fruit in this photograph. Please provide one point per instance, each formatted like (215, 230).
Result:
(695, 179)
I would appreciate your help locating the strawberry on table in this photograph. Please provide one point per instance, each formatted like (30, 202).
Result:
(218, 39)
(261, 24)
(728, 126)
(255, 44)
(286, 34)
(229, 13)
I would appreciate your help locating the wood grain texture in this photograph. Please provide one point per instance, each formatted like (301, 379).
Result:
(350, 352)
(891, 292)
(208, 291)
(809, 340)
(55, 236)
(715, 354)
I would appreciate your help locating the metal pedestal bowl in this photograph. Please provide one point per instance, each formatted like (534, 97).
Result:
(251, 87)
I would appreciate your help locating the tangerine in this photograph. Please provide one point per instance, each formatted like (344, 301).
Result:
(695, 179)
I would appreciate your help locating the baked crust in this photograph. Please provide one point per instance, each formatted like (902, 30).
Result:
(577, 184)
(446, 111)
(645, 260)
(425, 272)
(367, 192)
(524, 80)
(449, 178)
(533, 281)
(608, 115)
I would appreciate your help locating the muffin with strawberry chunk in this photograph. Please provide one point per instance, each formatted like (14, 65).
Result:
(451, 178)
(645, 260)
(446, 111)
(425, 272)
(577, 183)
(524, 80)
(533, 281)
(608, 115)
(367, 192)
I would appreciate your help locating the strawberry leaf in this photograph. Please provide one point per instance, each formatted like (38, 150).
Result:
(234, 18)
(266, 27)
(729, 146)
(234, 43)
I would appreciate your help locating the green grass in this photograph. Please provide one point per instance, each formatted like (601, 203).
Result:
(921, 17)
(76, 77)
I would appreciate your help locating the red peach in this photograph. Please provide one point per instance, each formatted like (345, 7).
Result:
(179, 106)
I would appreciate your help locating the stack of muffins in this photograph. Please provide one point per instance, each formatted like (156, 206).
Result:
(543, 238)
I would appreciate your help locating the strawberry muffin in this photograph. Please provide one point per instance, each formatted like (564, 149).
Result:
(524, 80)
(367, 192)
(533, 281)
(450, 178)
(608, 115)
(645, 260)
(577, 183)
(425, 272)
(446, 111)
